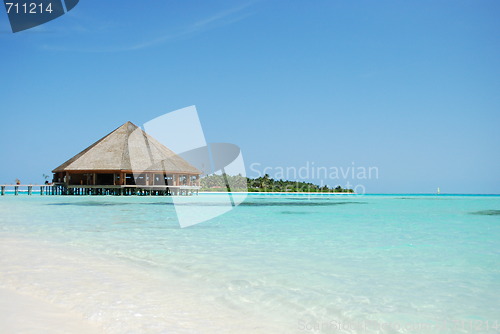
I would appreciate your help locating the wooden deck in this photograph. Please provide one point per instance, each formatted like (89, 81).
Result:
(125, 190)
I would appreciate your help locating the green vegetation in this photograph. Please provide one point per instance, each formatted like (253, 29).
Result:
(263, 184)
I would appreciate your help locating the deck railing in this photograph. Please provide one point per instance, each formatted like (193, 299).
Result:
(127, 190)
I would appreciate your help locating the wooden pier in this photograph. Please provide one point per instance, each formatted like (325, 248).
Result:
(87, 190)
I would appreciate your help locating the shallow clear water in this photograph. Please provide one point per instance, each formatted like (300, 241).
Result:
(275, 264)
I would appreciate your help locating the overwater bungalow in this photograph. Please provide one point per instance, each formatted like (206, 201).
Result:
(127, 161)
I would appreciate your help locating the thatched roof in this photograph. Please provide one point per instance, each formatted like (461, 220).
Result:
(128, 148)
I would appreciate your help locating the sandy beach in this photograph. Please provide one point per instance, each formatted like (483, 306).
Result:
(23, 314)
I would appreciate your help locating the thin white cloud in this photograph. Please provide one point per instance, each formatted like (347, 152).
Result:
(219, 19)
(199, 26)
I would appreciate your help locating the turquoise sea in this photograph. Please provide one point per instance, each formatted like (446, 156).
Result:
(274, 264)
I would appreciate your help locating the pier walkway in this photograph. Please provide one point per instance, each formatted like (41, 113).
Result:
(125, 190)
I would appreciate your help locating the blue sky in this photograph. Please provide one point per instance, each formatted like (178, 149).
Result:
(409, 87)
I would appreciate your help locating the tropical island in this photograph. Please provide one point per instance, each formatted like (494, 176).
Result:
(224, 182)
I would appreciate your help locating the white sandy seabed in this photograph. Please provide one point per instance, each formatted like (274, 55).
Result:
(25, 314)
(47, 289)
